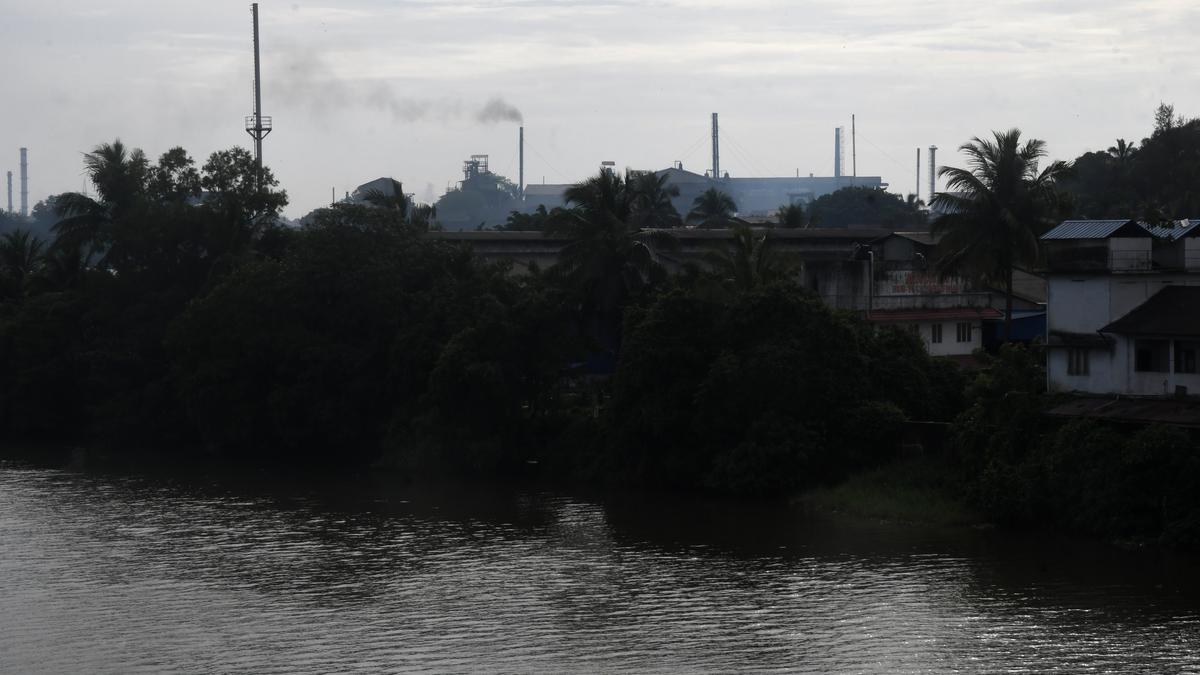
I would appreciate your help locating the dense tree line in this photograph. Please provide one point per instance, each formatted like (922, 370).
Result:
(1023, 468)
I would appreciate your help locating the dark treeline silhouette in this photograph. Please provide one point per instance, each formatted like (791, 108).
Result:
(172, 310)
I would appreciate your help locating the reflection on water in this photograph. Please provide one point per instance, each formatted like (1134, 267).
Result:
(119, 573)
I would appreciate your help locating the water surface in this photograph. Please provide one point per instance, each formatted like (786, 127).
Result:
(115, 572)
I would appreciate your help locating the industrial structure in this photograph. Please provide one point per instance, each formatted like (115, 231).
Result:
(754, 196)
(9, 209)
(24, 182)
(257, 125)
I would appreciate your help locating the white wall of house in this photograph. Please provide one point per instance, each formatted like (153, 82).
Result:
(1105, 371)
(1085, 304)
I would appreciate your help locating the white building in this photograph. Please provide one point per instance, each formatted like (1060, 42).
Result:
(1123, 308)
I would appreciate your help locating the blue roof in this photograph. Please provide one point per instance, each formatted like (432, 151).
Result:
(1095, 229)
(1183, 228)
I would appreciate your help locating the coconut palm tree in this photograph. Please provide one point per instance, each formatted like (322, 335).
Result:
(995, 209)
(392, 199)
(608, 258)
(712, 208)
(119, 175)
(750, 262)
(20, 258)
(651, 200)
(1122, 151)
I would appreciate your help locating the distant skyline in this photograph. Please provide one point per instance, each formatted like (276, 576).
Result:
(410, 89)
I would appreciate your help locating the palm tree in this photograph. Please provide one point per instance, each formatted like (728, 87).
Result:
(20, 257)
(392, 199)
(119, 176)
(1122, 151)
(995, 210)
(793, 217)
(608, 257)
(750, 262)
(651, 200)
(712, 208)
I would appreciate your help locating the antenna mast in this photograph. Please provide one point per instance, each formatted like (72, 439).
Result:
(257, 125)
(853, 152)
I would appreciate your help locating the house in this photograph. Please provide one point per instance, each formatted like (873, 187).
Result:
(951, 315)
(1121, 302)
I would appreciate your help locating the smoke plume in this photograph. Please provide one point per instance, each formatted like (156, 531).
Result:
(498, 110)
(306, 80)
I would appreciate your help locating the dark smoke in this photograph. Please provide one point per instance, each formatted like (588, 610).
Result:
(498, 110)
(306, 80)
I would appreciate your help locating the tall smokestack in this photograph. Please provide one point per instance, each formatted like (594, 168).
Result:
(24, 182)
(837, 152)
(256, 125)
(716, 149)
(521, 162)
(932, 171)
(918, 193)
(9, 210)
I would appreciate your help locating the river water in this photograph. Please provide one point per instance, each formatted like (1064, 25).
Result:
(119, 572)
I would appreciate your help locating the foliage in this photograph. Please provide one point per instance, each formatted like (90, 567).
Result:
(865, 207)
(1152, 181)
(750, 262)
(712, 209)
(1019, 467)
(792, 216)
(761, 393)
(994, 210)
(609, 259)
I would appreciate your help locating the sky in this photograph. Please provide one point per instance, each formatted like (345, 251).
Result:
(412, 88)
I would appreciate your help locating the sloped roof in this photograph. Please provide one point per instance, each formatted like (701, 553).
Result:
(1185, 228)
(1178, 412)
(1174, 311)
(1096, 229)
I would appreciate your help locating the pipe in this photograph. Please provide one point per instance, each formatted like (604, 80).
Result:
(521, 163)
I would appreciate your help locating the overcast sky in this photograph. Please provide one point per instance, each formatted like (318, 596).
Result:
(369, 88)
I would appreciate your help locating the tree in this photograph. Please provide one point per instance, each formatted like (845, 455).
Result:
(651, 200)
(20, 258)
(175, 178)
(119, 176)
(749, 262)
(712, 208)
(866, 207)
(792, 216)
(608, 259)
(995, 209)
(392, 198)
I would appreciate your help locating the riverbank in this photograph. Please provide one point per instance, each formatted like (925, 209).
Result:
(909, 490)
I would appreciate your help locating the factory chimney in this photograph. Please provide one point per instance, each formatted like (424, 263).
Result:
(257, 125)
(9, 210)
(716, 148)
(837, 152)
(521, 163)
(24, 182)
(918, 173)
(932, 171)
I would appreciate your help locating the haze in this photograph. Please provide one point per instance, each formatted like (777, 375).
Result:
(410, 89)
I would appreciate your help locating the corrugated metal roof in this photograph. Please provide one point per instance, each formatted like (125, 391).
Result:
(1090, 229)
(1183, 228)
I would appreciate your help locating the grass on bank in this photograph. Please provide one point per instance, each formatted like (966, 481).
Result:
(914, 490)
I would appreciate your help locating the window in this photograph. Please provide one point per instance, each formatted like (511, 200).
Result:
(1185, 356)
(963, 332)
(935, 333)
(1150, 356)
(1077, 361)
